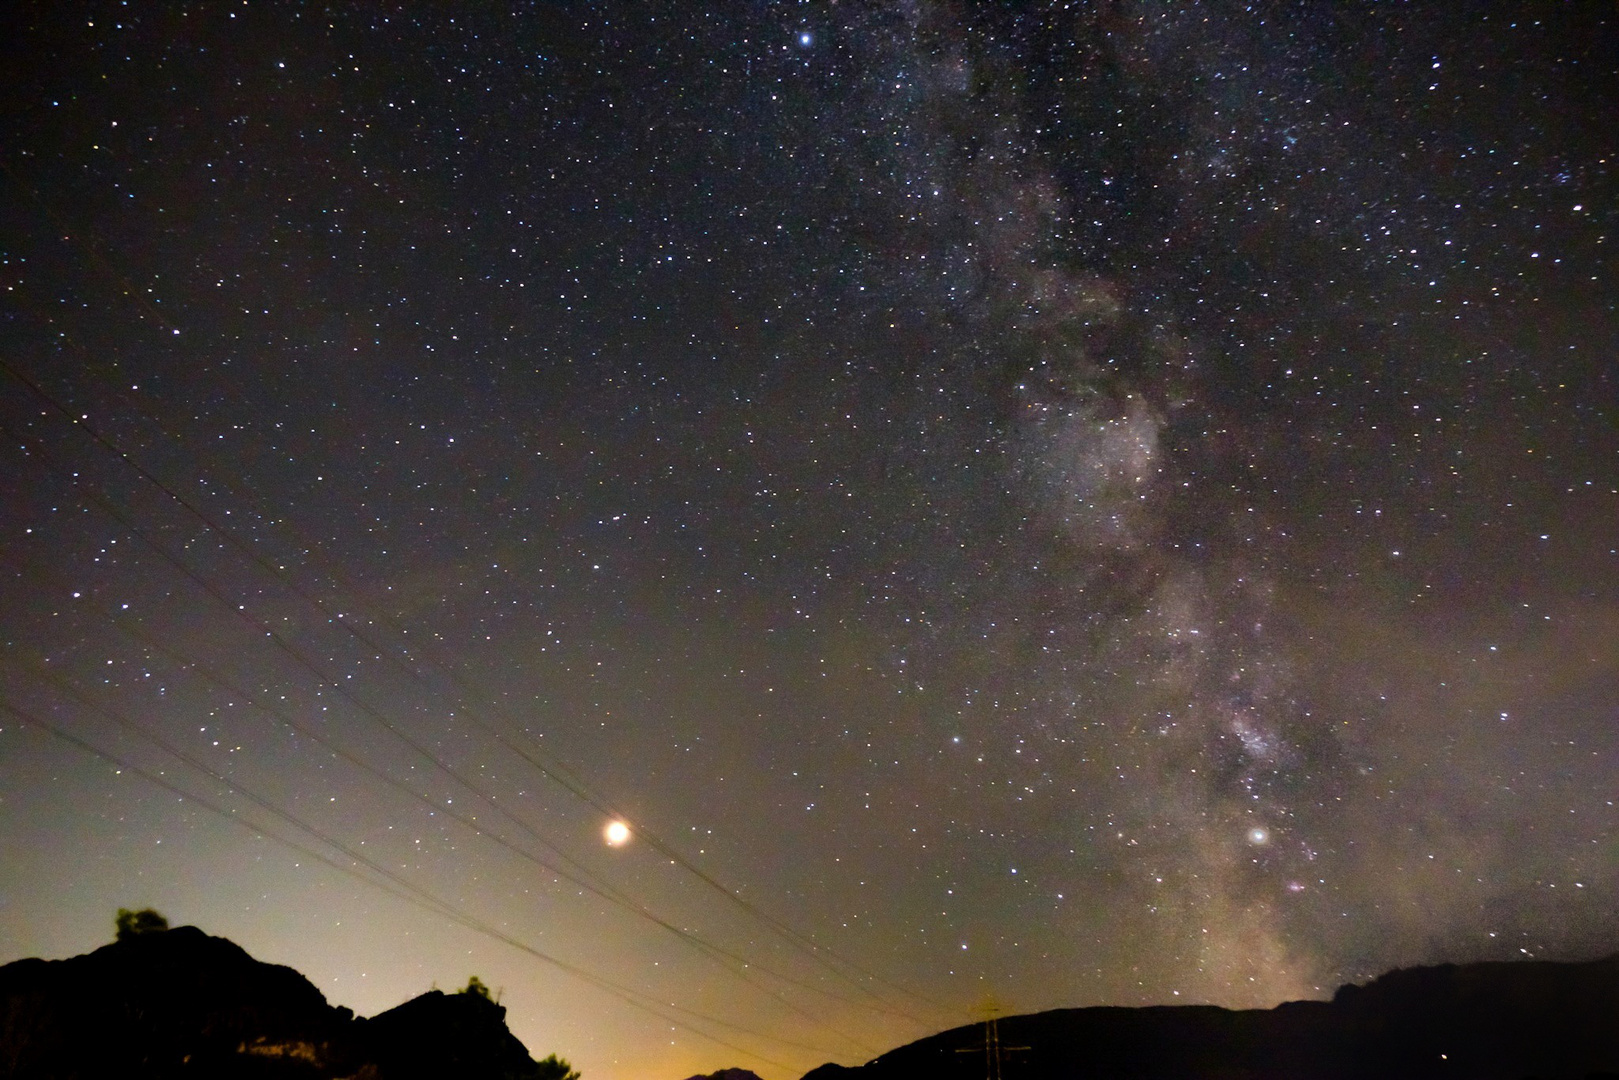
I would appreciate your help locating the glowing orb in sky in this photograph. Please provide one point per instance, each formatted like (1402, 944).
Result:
(617, 834)
(1258, 835)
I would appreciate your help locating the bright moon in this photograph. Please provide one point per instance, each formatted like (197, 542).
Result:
(617, 833)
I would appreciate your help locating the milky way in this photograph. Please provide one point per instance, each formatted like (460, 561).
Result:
(1055, 504)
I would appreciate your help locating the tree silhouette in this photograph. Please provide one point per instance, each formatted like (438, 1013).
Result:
(476, 987)
(134, 923)
(555, 1068)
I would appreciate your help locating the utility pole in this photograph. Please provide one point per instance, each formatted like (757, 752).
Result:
(994, 1053)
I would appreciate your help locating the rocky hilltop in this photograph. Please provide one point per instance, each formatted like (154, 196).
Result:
(1493, 1021)
(179, 1003)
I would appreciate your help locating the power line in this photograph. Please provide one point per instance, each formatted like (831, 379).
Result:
(825, 957)
(403, 887)
(581, 876)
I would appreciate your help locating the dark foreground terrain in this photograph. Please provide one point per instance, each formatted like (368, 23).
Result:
(179, 1003)
(1479, 1021)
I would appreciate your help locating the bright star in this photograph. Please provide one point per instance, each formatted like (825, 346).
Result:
(617, 834)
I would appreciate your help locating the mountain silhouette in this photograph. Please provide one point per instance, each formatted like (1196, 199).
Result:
(1488, 1021)
(179, 1003)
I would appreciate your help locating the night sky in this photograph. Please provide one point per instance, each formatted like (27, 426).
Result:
(1066, 504)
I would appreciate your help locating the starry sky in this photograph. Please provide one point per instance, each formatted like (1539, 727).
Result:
(1049, 504)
